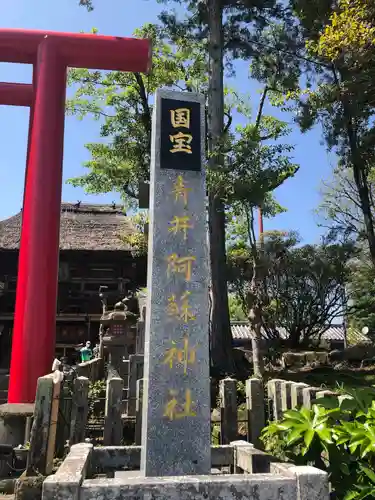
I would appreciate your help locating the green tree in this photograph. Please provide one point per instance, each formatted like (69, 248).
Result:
(236, 28)
(231, 28)
(361, 290)
(235, 308)
(340, 209)
(302, 288)
(350, 31)
(122, 103)
(338, 96)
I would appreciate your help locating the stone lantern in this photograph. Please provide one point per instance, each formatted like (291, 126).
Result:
(117, 335)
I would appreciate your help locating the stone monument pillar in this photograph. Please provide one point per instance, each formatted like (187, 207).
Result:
(176, 431)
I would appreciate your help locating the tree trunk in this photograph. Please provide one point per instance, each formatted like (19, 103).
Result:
(220, 334)
(256, 341)
(254, 301)
(359, 171)
(364, 197)
(361, 181)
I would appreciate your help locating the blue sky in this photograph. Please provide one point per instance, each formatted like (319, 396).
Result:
(119, 17)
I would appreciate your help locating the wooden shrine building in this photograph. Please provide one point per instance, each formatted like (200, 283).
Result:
(92, 254)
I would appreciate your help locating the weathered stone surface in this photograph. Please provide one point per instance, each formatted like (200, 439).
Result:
(176, 430)
(255, 410)
(12, 432)
(309, 395)
(228, 410)
(91, 369)
(326, 394)
(17, 409)
(297, 394)
(28, 487)
(116, 457)
(138, 412)
(79, 410)
(312, 483)
(274, 388)
(113, 426)
(65, 484)
(12, 429)
(353, 353)
(322, 358)
(286, 395)
(7, 486)
(140, 338)
(293, 359)
(135, 373)
(233, 487)
(108, 458)
(250, 460)
(43, 431)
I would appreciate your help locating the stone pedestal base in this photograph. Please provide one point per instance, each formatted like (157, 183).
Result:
(215, 487)
(124, 481)
(115, 351)
(12, 428)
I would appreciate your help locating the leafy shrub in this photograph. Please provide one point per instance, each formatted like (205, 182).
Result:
(95, 398)
(241, 392)
(337, 435)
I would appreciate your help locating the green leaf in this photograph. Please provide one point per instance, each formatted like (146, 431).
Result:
(369, 473)
(351, 495)
(308, 437)
(329, 402)
(294, 436)
(294, 415)
(325, 435)
(345, 469)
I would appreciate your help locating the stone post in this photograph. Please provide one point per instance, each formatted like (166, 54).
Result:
(297, 394)
(228, 411)
(67, 481)
(326, 394)
(308, 395)
(140, 338)
(80, 410)
(312, 483)
(43, 431)
(255, 410)
(113, 428)
(286, 396)
(138, 413)
(274, 399)
(135, 373)
(176, 432)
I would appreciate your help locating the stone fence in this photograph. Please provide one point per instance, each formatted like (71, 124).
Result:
(93, 369)
(114, 473)
(285, 395)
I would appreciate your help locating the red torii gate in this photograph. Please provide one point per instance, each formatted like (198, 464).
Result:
(50, 53)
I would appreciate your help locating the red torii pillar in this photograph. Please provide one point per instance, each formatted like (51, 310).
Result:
(50, 53)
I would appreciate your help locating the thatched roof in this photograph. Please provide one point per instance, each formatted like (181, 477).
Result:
(83, 227)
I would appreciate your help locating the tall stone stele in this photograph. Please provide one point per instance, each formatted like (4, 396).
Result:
(176, 398)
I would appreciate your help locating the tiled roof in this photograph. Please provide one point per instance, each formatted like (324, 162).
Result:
(241, 331)
(82, 227)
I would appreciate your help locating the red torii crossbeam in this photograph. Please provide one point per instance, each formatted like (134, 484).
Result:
(51, 54)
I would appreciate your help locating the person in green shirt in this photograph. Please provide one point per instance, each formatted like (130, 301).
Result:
(86, 352)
